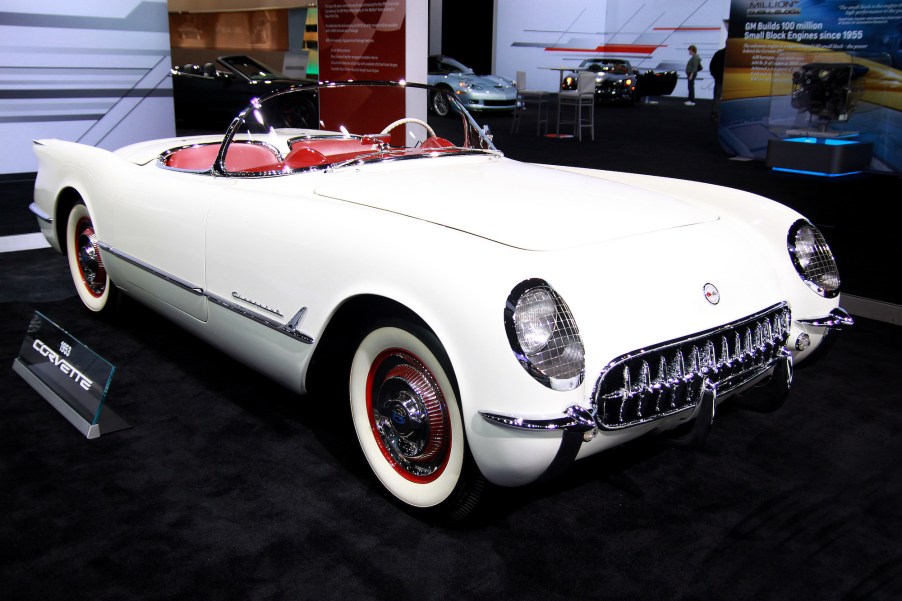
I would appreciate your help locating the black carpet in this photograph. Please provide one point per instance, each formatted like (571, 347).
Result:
(229, 487)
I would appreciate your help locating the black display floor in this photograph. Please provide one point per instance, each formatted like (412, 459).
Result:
(229, 487)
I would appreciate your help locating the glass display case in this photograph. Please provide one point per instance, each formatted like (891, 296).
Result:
(825, 113)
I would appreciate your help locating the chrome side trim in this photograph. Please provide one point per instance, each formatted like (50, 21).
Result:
(294, 321)
(188, 286)
(241, 297)
(575, 418)
(289, 329)
(837, 318)
(40, 213)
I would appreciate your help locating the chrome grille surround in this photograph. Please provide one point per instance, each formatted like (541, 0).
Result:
(658, 381)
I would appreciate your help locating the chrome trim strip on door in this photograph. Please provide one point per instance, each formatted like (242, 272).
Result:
(289, 329)
(193, 289)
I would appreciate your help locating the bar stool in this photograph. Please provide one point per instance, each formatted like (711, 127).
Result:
(531, 98)
(582, 99)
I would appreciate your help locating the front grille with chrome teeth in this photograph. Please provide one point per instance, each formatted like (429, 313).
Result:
(652, 383)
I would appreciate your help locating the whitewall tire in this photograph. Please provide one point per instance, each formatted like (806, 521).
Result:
(89, 275)
(408, 421)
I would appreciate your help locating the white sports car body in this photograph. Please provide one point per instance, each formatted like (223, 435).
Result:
(494, 336)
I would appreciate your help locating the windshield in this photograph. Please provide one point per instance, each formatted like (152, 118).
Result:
(334, 125)
(444, 65)
(608, 66)
(249, 67)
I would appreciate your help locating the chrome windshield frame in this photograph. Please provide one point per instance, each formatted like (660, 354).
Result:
(477, 139)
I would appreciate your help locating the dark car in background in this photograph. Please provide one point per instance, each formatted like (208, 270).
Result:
(208, 96)
(616, 80)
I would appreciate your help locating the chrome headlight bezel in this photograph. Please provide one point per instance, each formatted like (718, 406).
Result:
(547, 344)
(812, 258)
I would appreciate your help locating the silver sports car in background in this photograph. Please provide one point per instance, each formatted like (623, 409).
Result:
(476, 92)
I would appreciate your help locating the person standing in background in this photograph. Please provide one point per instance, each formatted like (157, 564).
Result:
(693, 66)
(716, 67)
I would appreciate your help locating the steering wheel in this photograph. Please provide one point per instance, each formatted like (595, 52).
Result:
(430, 133)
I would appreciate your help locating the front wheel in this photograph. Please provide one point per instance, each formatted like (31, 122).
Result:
(408, 421)
(89, 274)
(440, 103)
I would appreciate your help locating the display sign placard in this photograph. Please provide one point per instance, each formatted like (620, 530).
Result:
(773, 46)
(362, 40)
(359, 41)
(69, 375)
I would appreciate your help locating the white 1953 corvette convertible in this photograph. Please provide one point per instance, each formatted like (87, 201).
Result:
(490, 320)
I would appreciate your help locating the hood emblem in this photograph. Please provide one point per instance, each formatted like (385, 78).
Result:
(712, 294)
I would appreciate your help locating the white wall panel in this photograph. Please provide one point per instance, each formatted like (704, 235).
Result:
(92, 71)
(532, 35)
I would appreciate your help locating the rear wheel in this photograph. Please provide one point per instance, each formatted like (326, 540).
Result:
(408, 421)
(89, 274)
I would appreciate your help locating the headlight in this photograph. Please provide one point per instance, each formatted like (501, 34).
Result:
(543, 335)
(813, 259)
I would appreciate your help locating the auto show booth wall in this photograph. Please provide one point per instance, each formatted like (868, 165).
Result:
(533, 37)
(93, 72)
(104, 79)
(767, 44)
(285, 39)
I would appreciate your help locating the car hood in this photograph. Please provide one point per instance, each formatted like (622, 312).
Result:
(518, 204)
(487, 80)
(493, 80)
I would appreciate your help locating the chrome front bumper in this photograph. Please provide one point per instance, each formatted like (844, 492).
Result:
(673, 377)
